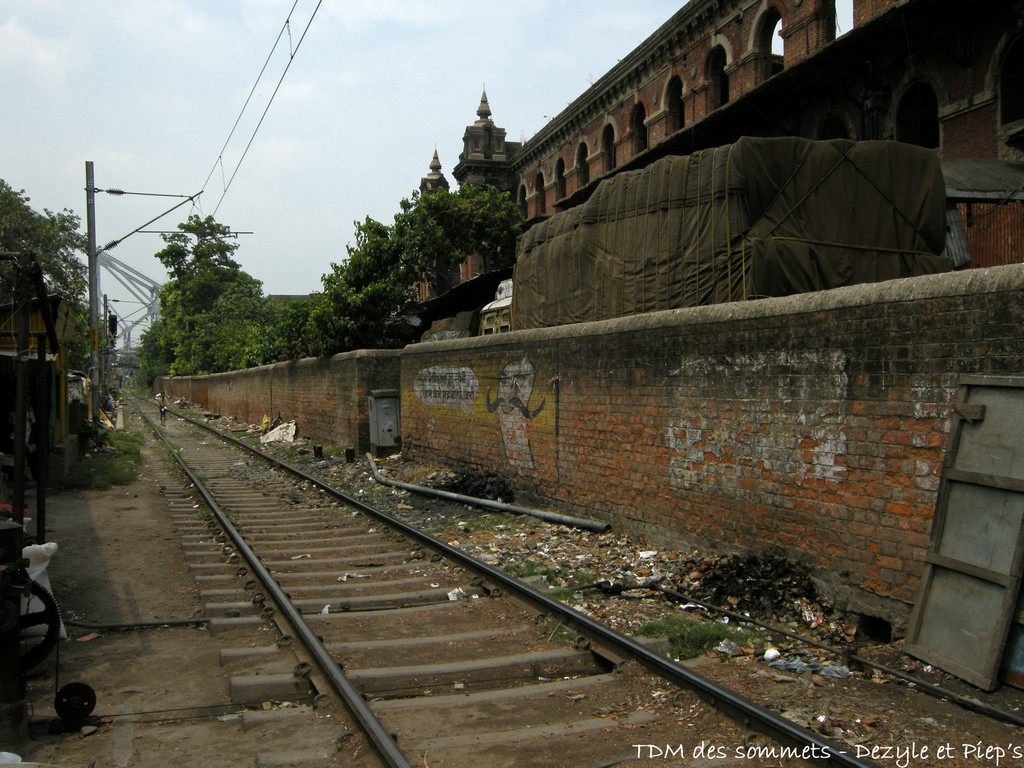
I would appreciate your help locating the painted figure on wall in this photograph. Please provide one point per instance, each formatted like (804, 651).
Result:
(512, 404)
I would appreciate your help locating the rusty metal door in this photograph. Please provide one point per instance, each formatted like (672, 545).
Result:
(973, 568)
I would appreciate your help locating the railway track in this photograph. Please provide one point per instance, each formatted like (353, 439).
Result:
(426, 656)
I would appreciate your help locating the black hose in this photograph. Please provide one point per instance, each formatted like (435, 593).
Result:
(139, 624)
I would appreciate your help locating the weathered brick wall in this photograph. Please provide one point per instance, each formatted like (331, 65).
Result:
(814, 424)
(326, 397)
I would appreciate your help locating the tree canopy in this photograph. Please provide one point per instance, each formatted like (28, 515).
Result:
(55, 241)
(213, 315)
(431, 235)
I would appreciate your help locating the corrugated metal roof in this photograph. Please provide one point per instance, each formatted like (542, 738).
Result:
(988, 180)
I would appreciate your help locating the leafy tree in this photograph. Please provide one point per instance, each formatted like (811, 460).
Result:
(292, 336)
(431, 235)
(156, 353)
(360, 294)
(201, 246)
(214, 316)
(56, 242)
(445, 228)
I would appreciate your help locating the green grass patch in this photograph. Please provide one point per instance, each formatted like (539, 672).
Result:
(562, 594)
(558, 632)
(530, 568)
(491, 521)
(690, 637)
(118, 464)
(488, 521)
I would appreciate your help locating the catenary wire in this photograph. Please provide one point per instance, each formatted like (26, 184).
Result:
(220, 156)
(252, 138)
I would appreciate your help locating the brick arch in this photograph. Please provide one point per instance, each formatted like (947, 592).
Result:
(559, 178)
(676, 109)
(716, 77)
(762, 36)
(608, 148)
(582, 164)
(638, 127)
(912, 114)
(763, 26)
(720, 40)
(540, 203)
(1008, 78)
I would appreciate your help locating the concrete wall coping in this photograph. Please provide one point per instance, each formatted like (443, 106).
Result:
(910, 289)
(358, 354)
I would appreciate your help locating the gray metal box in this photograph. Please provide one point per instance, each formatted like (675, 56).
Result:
(385, 425)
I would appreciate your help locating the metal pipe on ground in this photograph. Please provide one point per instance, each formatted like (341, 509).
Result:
(597, 526)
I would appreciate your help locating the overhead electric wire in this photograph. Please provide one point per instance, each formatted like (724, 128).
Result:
(220, 155)
(115, 243)
(252, 138)
(120, 192)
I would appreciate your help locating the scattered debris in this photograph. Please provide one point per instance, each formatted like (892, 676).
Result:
(729, 648)
(285, 433)
(798, 665)
(489, 487)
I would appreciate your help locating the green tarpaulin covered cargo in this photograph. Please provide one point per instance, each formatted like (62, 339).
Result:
(761, 217)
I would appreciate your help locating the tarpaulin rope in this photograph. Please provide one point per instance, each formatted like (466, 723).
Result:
(854, 246)
(812, 190)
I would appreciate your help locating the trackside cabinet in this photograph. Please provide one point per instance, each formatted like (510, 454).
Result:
(385, 426)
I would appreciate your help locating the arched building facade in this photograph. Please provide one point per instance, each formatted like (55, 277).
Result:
(919, 71)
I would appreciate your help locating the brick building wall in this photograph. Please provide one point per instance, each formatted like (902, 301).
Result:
(815, 424)
(853, 88)
(326, 397)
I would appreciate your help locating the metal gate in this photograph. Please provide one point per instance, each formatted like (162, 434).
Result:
(973, 567)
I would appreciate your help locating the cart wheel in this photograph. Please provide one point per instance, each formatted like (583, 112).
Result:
(74, 703)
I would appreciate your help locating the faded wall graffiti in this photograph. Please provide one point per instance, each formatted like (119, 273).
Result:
(782, 421)
(446, 386)
(512, 404)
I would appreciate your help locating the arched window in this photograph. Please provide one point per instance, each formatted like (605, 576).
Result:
(522, 201)
(917, 117)
(1011, 84)
(538, 189)
(582, 165)
(676, 115)
(560, 179)
(608, 147)
(718, 80)
(638, 129)
(833, 128)
(770, 43)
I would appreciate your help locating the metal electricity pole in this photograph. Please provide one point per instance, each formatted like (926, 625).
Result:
(94, 293)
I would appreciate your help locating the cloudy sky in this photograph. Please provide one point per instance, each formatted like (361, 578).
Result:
(149, 91)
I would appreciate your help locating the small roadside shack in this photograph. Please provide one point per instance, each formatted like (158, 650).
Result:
(36, 427)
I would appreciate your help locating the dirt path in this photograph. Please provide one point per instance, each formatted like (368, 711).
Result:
(162, 694)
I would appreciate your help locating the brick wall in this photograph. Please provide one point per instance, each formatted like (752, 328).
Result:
(814, 424)
(865, 10)
(326, 397)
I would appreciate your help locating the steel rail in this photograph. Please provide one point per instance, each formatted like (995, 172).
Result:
(379, 737)
(809, 746)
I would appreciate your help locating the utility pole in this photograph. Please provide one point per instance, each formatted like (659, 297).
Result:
(94, 291)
